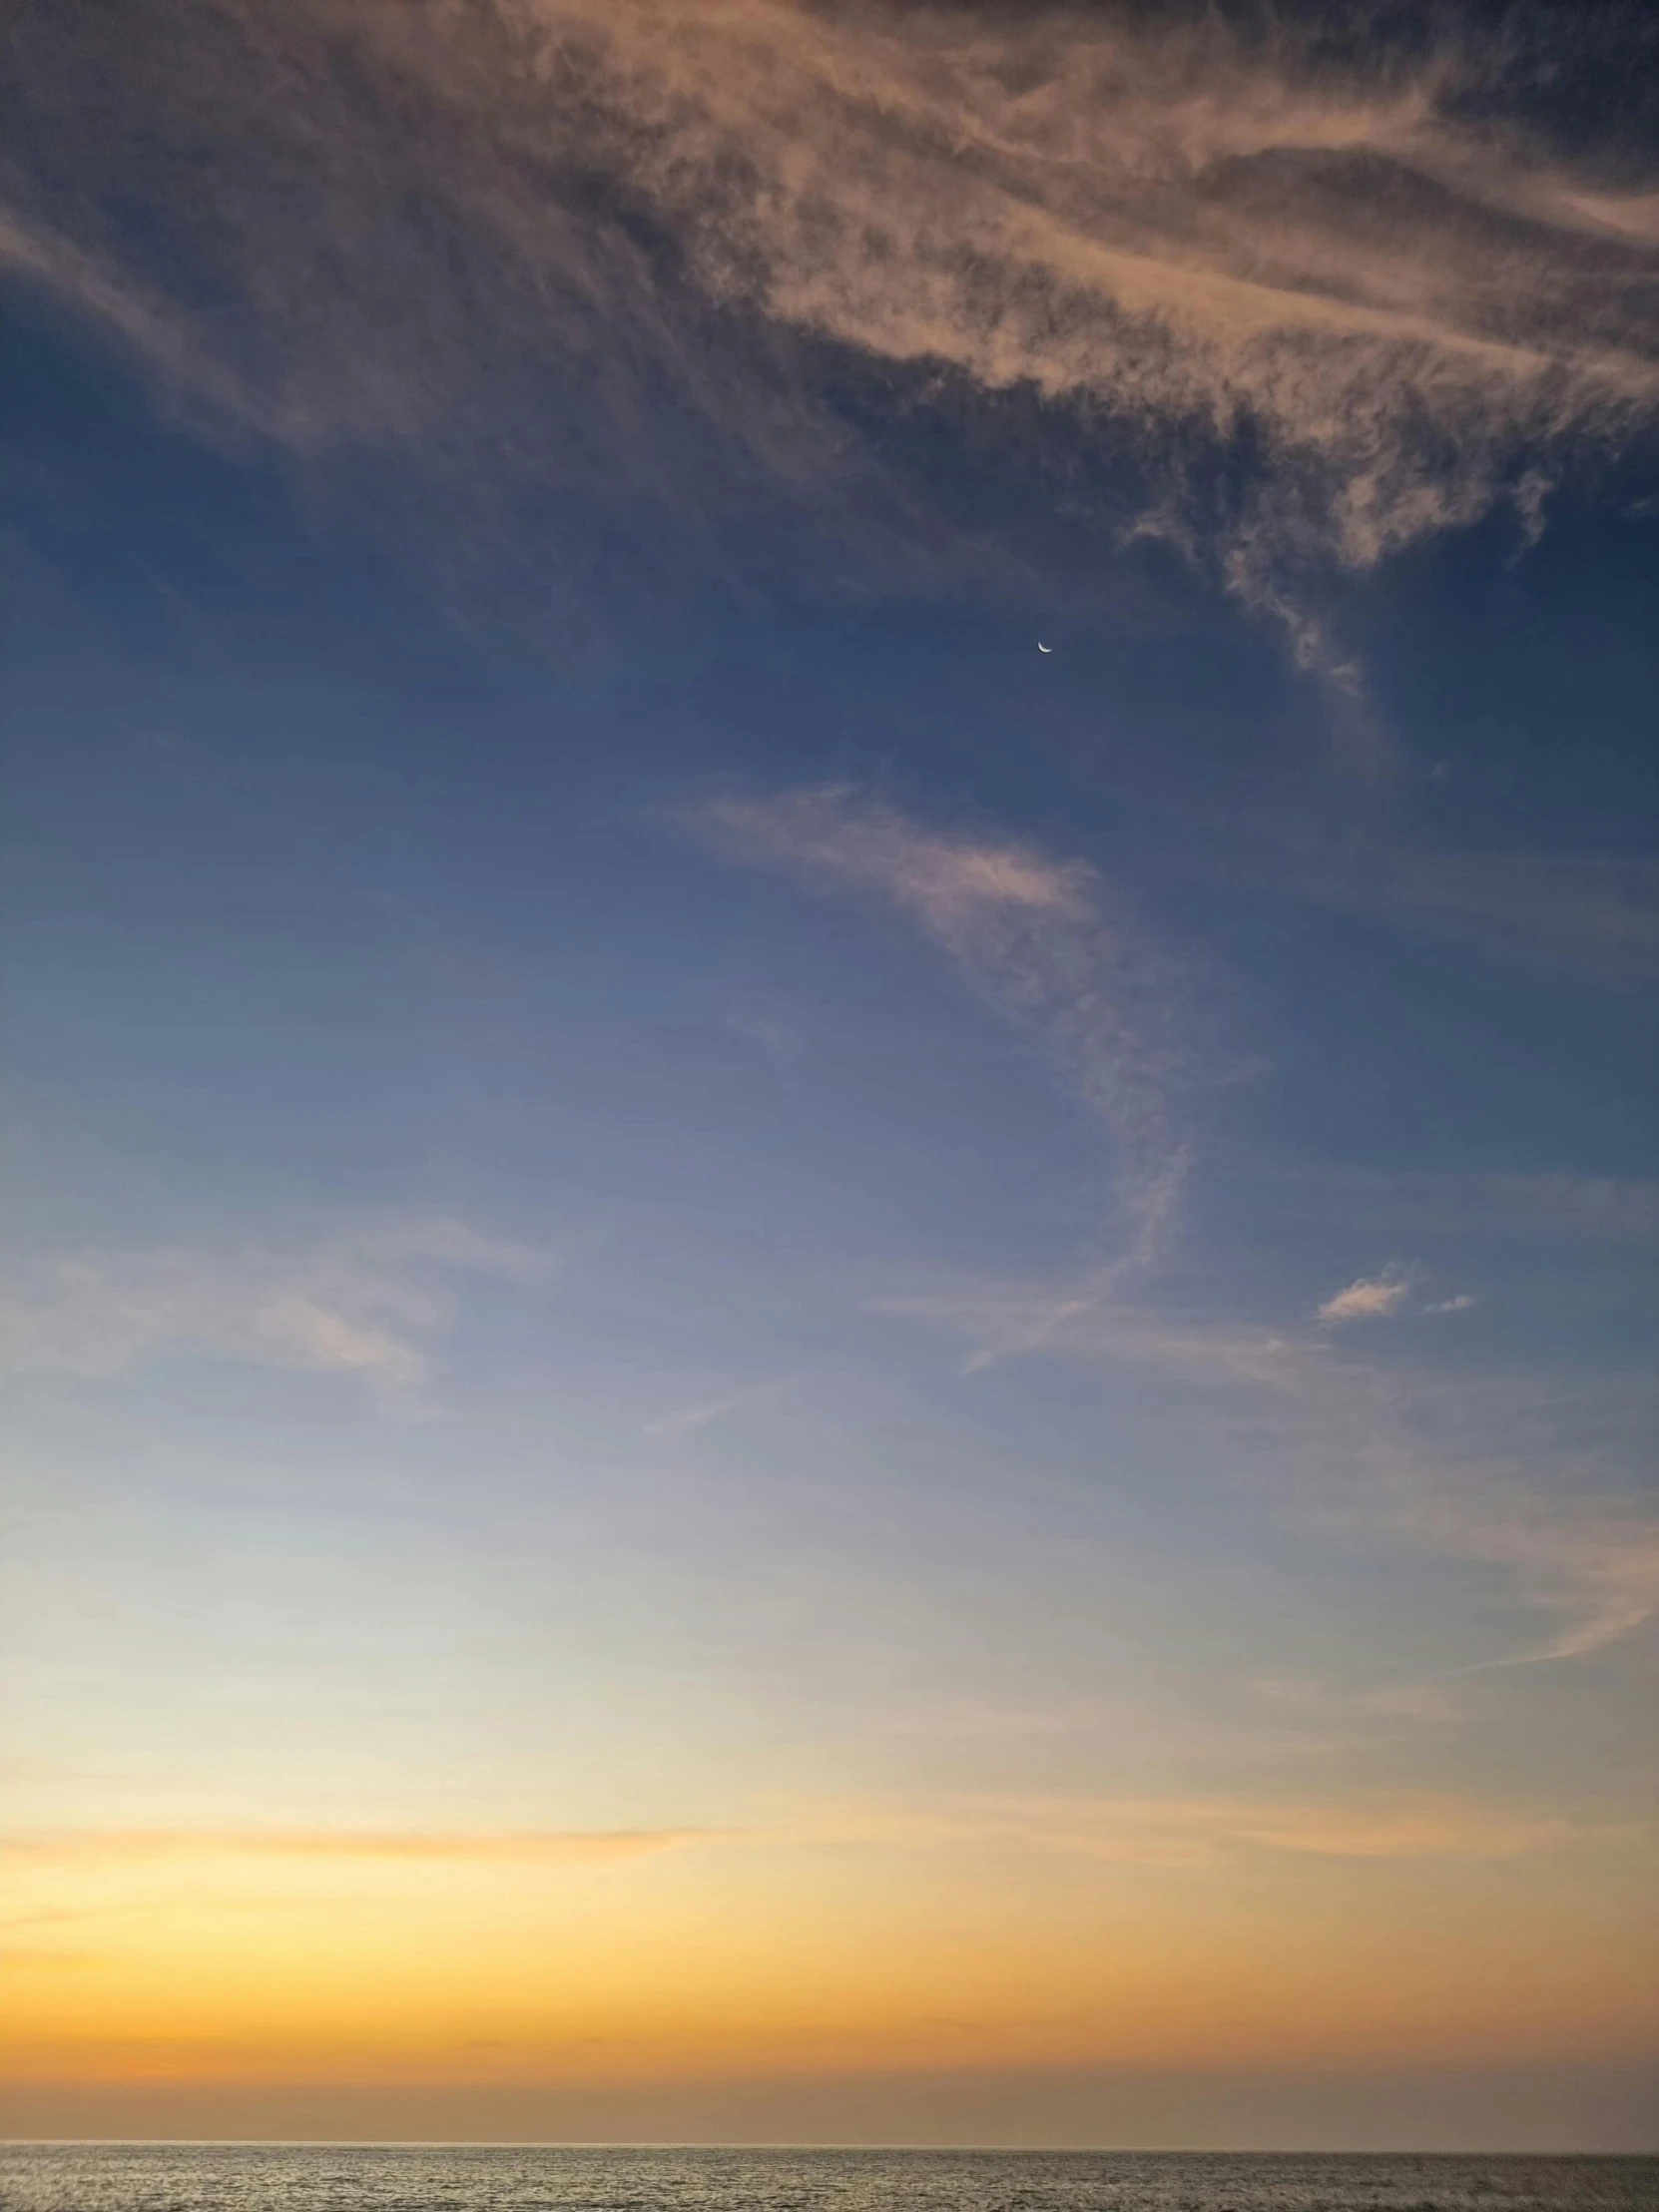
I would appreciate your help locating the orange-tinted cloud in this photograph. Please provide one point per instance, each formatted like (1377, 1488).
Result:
(1203, 239)
(559, 1846)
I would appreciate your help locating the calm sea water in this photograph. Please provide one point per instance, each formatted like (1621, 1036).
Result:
(276, 2177)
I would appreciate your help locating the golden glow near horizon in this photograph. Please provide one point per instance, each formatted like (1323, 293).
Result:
(454, 1821)
(659, 1776)
(223, 1957)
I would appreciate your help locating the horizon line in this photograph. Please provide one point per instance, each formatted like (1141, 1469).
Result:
(492, 2142)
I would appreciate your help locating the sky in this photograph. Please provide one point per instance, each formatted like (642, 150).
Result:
(827, 947)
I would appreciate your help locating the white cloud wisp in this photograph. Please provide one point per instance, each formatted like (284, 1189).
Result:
(363, 1304)
(1048, 946)
(1530, 1483)
(1371, 1298)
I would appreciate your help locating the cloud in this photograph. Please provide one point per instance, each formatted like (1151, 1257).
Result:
(1414, 1701)
(781, 1045)
(1048, 945)
(1533, 1476)
(1184, 1832)
(1578, 1209)
(686, 1420)
(1133, 1831)
(846, 837)
(1381, 1296)
(365, 1303)
(1371, 1298)
(1001, 1317)
(1594, 916)
(1415, 1830)
(1600, 1571)
(27, 1962)
(1190, 231)
(552, 1844)
(1418, 1463)
(1286, 301)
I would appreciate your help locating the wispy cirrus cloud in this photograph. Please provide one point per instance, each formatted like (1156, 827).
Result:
(1591, 1210)
(1182, 225)
(1181, 1832)
(555, 1846)
(365, 1303)
(685, 1420)
(1049, 945)
(1178, 1830)
(781, 1044)
(1430, 1701)
(1529, 1480)
(1586, 914)
(999, 1316)
(1316, 296)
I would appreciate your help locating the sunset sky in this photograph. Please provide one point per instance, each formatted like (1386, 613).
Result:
(776, 1371)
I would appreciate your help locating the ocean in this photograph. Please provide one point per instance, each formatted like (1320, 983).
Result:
(285, 2177)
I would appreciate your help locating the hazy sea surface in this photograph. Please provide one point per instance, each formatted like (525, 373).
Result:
(282, 2177)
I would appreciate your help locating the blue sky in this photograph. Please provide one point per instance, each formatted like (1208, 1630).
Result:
(663, 1187)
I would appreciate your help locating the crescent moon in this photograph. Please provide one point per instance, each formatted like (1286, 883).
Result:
(1041, 648)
